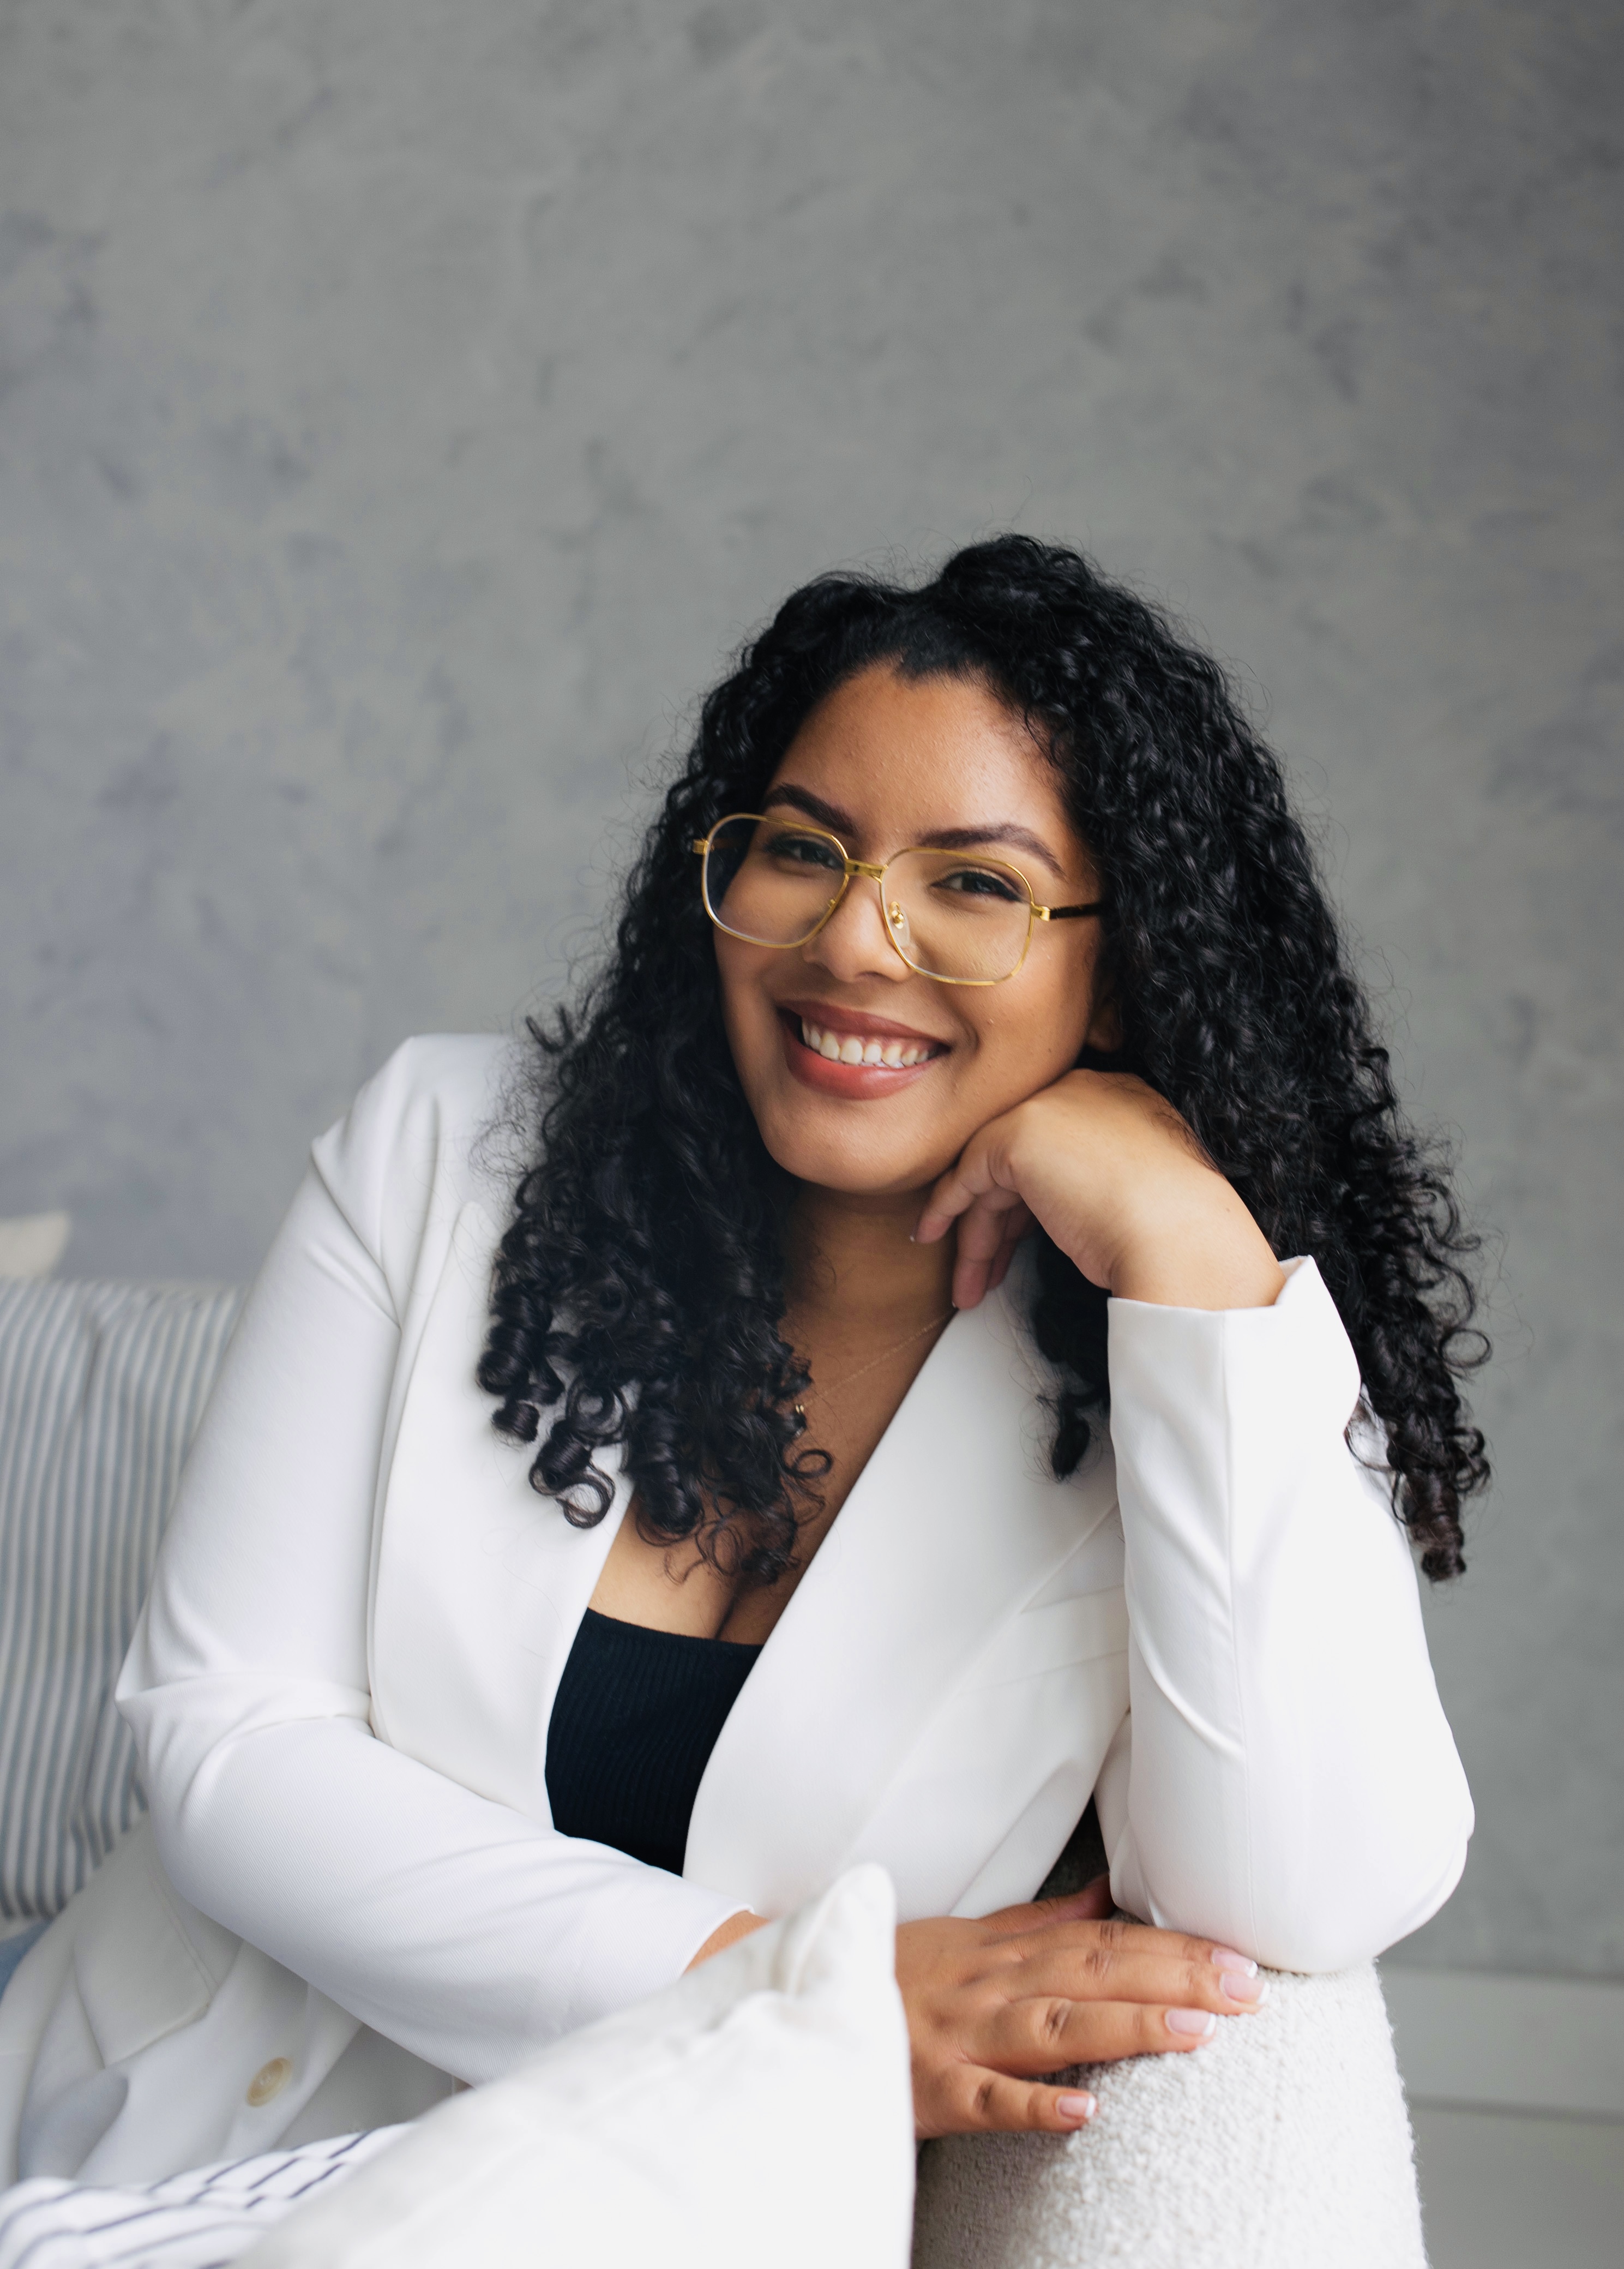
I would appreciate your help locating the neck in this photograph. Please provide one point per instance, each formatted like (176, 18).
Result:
(854, 1271)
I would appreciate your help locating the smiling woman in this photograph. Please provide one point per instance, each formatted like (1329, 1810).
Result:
(979, 1330)
(1021, 706)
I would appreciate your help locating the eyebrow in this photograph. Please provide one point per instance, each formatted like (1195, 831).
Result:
(940, 838)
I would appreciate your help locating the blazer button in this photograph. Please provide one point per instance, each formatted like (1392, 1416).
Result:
(270, 2081)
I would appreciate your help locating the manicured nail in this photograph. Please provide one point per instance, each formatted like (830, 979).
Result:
(1074, 2107)
(1225, 1957)
(1253, 1992)
(1200, 2023)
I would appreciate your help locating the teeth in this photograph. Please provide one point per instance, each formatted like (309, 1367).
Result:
(835, 1047)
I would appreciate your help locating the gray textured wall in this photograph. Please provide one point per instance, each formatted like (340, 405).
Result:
(403, 406)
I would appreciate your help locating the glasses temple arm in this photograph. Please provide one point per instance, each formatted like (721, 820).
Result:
(1068, 913)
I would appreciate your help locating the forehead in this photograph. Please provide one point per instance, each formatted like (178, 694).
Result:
(910, 758)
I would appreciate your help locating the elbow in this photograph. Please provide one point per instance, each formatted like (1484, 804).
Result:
(209, 1748)
(1338, 1925)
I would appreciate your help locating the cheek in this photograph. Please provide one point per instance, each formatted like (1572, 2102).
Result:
(749, 1019)
(1034, 1034)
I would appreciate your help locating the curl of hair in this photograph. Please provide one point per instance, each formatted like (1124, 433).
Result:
(639, 1290)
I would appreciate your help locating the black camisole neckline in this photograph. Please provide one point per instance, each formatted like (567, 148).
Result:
(636, 1716)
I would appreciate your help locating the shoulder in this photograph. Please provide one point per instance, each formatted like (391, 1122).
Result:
(452, 1077)
(433, 1129)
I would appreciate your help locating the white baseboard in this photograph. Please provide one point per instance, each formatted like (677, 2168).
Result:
(1553, 2044)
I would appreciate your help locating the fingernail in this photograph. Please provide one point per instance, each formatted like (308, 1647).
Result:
(1200, 2022)
(1225, 1957)
(1251, 1990)
(1074, 2107)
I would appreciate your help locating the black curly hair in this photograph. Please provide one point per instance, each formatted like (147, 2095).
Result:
(639, 1290)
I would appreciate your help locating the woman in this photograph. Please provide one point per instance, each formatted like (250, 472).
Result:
(977, 1057)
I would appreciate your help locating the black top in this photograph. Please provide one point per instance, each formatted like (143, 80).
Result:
(637, 1717)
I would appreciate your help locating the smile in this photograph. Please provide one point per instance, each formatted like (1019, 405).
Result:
(853, 1054)
(850, 1048)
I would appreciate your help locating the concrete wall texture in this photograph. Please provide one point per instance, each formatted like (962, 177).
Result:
(404, 407)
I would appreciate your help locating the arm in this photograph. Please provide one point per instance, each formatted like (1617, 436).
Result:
(453, 1924)
(1292, 1785)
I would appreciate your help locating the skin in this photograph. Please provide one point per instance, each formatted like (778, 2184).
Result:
(915, 1185)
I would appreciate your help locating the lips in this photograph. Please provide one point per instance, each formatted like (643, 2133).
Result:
(847, 1052)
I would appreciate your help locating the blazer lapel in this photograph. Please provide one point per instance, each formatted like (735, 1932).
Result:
(952, 1526)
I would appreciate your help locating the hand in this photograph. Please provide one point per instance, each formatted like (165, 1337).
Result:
(1118, 1181)
(728, 1933)
(995, 2006)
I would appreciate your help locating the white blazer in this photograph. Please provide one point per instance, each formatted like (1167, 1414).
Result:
(341, 1682)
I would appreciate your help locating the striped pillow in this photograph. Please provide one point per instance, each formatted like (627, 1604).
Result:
(101, 1387)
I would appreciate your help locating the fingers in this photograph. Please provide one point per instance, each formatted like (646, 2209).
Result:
(1082, 1964)
(1094, 1903)
(978, 1211)
(1018, 1223)
(997, 2007)
(1112, 1936)
(1091, 1904)
(973, 2101)
(988, 1235)
(974, 1178)
(989, 1230)
(1031, 2039)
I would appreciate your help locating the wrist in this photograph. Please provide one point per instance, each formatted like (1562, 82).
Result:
(1210, 1254)
(728, 1933)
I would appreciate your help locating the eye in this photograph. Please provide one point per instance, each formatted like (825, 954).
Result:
(792, 849)
(980, 883)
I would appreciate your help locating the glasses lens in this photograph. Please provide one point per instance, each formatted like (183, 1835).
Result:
(956, 916)
(772, 880)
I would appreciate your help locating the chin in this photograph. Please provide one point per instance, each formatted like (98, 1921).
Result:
(863, 1161)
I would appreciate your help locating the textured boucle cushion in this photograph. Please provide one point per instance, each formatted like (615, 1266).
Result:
(101, 1387)
(1284, 2144)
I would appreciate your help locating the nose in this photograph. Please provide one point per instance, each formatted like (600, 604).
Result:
(853, 943)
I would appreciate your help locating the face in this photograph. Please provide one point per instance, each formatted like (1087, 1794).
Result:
(885, 763)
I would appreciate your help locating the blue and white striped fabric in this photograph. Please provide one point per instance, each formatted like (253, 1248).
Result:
(195, 2221)
(101, 1387)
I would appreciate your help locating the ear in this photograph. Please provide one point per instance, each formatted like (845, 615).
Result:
(1104, 1037)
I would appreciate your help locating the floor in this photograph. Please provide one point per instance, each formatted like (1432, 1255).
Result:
(1518, 2190)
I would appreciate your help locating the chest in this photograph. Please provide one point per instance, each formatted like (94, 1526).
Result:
(957, 1647)
(689, 1587)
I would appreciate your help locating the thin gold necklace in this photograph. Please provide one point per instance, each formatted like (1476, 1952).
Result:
(872, 1364)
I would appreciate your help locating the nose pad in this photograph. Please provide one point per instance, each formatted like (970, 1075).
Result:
(897, 914)
(854, 944)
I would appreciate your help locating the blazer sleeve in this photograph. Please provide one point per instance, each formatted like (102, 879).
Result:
(1287, 1782)
(453, 1924)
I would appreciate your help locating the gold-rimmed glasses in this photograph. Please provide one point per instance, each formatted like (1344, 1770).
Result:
(956, 916)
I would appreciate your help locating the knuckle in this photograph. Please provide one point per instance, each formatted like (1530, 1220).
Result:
(1056, 2018)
